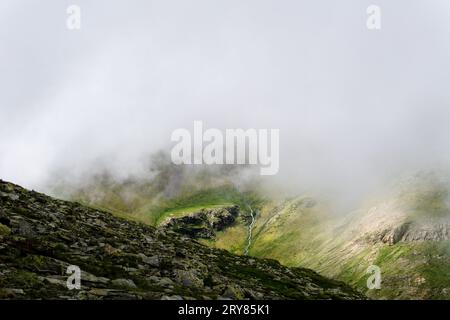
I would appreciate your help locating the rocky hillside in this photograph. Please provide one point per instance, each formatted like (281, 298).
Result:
(121, 259)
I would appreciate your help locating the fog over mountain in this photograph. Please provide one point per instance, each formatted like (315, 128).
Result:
(354, 106)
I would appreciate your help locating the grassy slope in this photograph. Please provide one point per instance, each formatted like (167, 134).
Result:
(279, 229)
(298, 235)
(193, 201)
(148, 208)
(409, 269)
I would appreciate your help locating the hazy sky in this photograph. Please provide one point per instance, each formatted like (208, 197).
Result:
(353, 105)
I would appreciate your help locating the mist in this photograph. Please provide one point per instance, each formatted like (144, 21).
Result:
(355, 107)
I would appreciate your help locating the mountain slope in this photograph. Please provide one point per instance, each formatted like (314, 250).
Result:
(405, 232)
(404, 229)
(121, 259)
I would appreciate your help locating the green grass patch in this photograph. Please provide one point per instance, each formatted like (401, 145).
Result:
(199, 199)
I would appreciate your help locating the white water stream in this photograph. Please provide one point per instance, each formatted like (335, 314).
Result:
(249, 232)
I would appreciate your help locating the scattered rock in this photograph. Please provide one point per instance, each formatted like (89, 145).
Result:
(165, 282)
(188, 279)
(153, 261)
(4, 230)
(124, 283)
(233, 292)
(171, 298)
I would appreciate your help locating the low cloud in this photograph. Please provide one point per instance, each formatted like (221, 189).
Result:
(354, 106)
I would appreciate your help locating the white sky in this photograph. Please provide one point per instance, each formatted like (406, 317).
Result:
(353, 105)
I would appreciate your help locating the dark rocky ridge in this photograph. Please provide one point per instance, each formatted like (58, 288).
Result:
(120, 259)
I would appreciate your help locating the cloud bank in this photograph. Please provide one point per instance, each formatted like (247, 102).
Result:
(353, 106)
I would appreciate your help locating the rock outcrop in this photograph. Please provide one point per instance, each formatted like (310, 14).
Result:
(203, 223)
(415, 231)
(40, 237)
